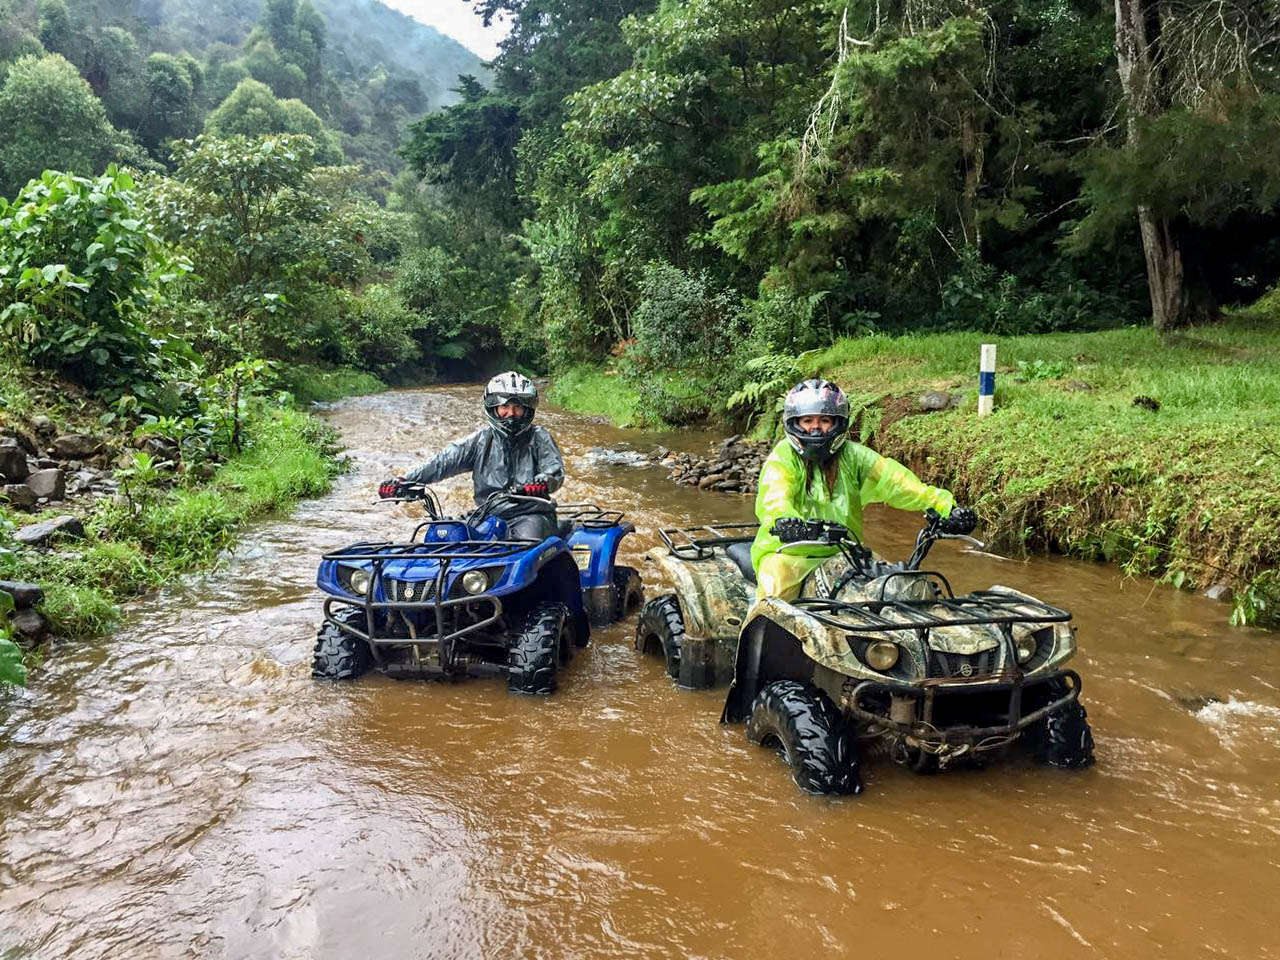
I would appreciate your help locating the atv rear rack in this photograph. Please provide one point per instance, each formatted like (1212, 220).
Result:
(699, 542)
(588, 515)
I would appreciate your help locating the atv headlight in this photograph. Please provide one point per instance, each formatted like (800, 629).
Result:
(1025, 647)
(475, 581)
(882, 655)
(359, 581)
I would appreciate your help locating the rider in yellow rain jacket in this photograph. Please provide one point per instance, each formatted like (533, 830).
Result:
(817, 473)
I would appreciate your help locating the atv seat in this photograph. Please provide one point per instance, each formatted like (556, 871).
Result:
(740, 553)
(565, 529)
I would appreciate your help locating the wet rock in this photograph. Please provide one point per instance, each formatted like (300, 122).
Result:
(1219, 591)
(43, 426)
(19, 496)
(660, 453)
(710, 480)
(728, 486)
(24, 594)
(45, 463)
(937, 400)
(75, 446)
(48, 483)
(39, 534)
(13, 460)
(30, 625)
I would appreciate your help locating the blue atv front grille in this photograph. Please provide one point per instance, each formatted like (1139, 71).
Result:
(409, 591)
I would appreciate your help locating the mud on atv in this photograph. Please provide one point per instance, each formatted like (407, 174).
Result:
(461, 598)
(872, 654)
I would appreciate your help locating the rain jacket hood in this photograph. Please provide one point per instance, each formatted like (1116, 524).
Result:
(862, 476)
(496, 461)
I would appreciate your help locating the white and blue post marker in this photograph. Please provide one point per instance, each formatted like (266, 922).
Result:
(987, 379)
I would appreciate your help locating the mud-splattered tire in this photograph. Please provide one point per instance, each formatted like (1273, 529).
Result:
(1063, 739)
(534, 655)
(808, 731)
(340, 655)
(628, 593)
(661, 631)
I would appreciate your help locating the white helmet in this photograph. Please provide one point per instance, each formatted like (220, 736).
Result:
(510, 387)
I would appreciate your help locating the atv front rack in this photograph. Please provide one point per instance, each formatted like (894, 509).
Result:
(980, 608)
(433, 596)
(699, 542)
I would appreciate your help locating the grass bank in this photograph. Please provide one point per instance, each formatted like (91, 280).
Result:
(1068, 462)
(312, 384)
(135, 546)
(596, 391)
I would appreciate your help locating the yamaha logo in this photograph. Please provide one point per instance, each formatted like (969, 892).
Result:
(966, 670)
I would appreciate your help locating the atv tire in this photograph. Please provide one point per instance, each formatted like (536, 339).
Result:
(810, 734)
(661, 631)
(628, 593)
(340, 655)
(1063, 739)
(536, 652)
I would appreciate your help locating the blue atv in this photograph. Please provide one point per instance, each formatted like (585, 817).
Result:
(461, 598)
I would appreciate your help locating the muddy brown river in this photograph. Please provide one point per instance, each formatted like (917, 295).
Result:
(185, 789)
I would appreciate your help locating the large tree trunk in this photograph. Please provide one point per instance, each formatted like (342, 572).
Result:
(1179, 293)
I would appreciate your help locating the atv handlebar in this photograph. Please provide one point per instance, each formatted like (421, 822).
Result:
(415, 493)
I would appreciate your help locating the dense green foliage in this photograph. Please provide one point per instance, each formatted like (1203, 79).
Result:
(769, 175)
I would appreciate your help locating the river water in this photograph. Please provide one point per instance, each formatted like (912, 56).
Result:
(184, 789)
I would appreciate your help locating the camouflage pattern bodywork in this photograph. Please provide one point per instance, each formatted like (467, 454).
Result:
(714, 598)
(722, 618)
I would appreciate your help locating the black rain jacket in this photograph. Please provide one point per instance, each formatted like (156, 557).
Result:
(496, 462)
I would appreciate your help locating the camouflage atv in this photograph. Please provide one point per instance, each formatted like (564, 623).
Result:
(872, 654)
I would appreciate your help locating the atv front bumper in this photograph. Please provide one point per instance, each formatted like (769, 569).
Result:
(917, 711)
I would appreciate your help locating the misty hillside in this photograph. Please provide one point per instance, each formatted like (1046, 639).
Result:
(361, 35)
(351, 74)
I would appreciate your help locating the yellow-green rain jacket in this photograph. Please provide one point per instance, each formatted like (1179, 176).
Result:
(863, 477)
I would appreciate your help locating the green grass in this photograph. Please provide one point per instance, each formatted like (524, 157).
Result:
(1186, 493)
(593, 390)
(312, 384)
(131, 548)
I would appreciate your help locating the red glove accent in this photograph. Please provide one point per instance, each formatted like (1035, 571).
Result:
(536, 490)
(391, 488)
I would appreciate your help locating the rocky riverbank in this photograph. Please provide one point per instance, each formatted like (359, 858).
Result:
(733, 466)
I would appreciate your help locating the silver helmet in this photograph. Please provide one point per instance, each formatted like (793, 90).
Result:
(816, 398)
(510, 387)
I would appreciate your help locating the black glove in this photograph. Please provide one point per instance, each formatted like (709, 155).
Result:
(961, 520)
(791, 529)
(391, 489)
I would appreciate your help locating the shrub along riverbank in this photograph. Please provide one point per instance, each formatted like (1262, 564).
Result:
(1160, 456)
(166, 515)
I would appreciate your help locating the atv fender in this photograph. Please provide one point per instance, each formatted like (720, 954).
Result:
(714, 596)
(782, 642)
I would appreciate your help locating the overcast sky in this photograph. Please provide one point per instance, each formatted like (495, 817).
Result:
(455, 19)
